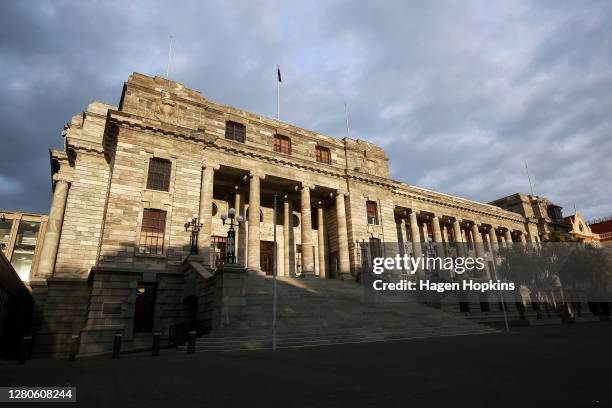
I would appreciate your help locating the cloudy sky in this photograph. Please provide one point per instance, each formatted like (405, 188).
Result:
(459, 93)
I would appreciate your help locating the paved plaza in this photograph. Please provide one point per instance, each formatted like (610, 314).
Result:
(562, 366)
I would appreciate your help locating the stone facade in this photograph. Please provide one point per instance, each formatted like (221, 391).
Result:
(328, 209)
(544, 217)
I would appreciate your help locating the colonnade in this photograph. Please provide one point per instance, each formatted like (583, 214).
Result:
(462, 233)
(253, 260)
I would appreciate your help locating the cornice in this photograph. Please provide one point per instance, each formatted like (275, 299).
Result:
(456, 203)
(58, 155)
(81, 147)
(146, 125)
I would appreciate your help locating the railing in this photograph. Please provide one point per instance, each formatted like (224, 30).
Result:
(598, 220)
(16, 307)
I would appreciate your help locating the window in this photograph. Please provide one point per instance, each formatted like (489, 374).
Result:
(25, 244)
(159, 174)
(235, 131)
(152, 232)
(246, 215)
(282, 144)
(375, 248)
(372, 211)
(323, 155)
(5, 232)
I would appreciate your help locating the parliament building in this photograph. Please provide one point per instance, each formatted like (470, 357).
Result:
(133, 181)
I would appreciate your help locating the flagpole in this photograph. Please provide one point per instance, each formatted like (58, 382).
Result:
(278, 93)
(348, 130)
(275, 267)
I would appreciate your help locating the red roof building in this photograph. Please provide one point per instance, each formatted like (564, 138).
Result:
(603, 227)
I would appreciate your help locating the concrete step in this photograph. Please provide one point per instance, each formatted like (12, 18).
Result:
(256, 343)
(313, 312)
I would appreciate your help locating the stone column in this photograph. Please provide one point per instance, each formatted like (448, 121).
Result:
(287, 241)
(477, 240)
(479, 249)
(508, 237)
(416, 240)
(445, 234)
(205, 213)
(494, 246)
(308, 268)
(437, 236)
(48, 254)
(321, 241)
(523, 239)
(253, 254)
(344, 271)
(458, 237)
(403, 235)
(415, 235)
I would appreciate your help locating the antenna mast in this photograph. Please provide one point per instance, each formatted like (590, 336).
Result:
(348, 129)
(169, 57)
(529, 178)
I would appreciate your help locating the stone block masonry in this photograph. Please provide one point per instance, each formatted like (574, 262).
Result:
(117, 222)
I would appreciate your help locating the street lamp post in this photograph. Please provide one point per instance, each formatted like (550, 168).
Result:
(231, 234)
(195, 225)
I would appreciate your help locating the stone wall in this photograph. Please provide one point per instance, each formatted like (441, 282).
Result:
(106, 160)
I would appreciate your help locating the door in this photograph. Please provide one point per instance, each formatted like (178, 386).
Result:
(219, 245)
(145, 306)
(266, 257)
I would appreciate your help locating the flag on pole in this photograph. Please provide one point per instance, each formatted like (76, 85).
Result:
(278, 82)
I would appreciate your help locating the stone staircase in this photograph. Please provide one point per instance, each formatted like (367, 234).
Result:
(314, 312)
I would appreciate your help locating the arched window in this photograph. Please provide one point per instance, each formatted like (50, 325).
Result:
(246, 215)
(282, 144)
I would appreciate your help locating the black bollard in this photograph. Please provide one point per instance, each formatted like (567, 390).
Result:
(24, 351)
(156, 343)
(191, 342)
(74, 347)
(117, 345)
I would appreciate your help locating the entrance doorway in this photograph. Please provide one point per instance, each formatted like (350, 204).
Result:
(266, 257)
(219, 246)
(145, 307)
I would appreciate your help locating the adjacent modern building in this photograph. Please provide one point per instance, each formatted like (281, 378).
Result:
(21, 237)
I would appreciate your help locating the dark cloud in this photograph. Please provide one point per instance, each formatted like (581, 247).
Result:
(459, 94)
